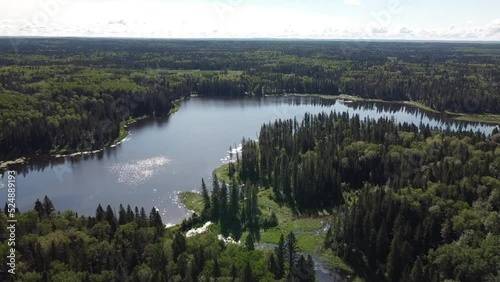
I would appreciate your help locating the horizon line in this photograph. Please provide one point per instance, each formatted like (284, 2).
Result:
(254, 39)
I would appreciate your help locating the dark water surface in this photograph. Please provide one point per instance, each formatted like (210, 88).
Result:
(162, 156)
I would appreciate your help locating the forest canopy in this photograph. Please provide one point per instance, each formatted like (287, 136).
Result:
(64, 95)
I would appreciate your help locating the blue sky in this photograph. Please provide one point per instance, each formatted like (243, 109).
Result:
(322, 19)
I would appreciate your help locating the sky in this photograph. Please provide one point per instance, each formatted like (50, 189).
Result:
(309, 19)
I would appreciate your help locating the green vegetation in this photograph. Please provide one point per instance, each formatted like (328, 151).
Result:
(407, 203)
(125, 246)
(67, 95)
(192, 201)
(404, 203)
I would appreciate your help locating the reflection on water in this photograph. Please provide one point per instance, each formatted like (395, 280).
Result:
(167, 155)
(134, 173)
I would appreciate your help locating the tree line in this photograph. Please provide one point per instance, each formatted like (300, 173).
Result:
(128, 245)
(62, 95)
(407, 200)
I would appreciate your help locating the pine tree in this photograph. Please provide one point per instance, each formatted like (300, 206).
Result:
(178, 245)
(215, 205)
(234, 272)
(99, 213)
(143, 220)
(38, 207)
(216, 271)
(130, 214)
(291, 246)
(248, 275)
(199, 262)
(383, 244)
(416, 271)
(109, 216)
(156, 222)
(224, 216)
(272, 266)
(280, 257)
(206, 200)
(233, 209)
(122, 215)
(311, 269)
(250, 242)
(47, 206)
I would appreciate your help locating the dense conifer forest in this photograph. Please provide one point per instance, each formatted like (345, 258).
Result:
(402, 202)
(409, 204)
(65, 95)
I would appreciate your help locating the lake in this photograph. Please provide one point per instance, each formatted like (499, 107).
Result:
(165, 155)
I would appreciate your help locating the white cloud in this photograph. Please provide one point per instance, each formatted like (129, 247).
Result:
(184, 19)
(493, 28)
(405, 30)
(352, 2)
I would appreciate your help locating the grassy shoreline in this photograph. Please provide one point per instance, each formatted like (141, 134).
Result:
(306, 227)
(483, 118)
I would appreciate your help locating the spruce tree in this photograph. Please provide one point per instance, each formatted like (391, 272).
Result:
(99, 213)
(206, 200)
(215, 205)
(216, 273)
(47, 206)
(280, 257)
(248, 275)
(178, 245)
(38, 207)
(223, 209)
(291, 246)
(250, 242)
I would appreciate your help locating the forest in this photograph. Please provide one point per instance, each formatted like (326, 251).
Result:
(132, 245)
(407, 203)
(404, 204)
(61, 95)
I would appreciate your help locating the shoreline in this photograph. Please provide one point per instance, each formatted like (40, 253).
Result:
(492, 119)
(304, 226)
(62, 153)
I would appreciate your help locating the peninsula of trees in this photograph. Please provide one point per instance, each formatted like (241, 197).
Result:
(66, 95)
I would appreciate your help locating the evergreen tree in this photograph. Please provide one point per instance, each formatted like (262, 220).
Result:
(291, 247)
(122, 215)
(311, 269)
(130, 214)
(215, 205)
(280, 257)
(99, 213)
(143, 220)
(248, 275)
(178, 245)
(250, 242)
(272, 266)
(216, 271)
(38, 207)
(223, 204)
(233, 210)
(47, 206)
(206, 200)
(109, 216)
(234, 272)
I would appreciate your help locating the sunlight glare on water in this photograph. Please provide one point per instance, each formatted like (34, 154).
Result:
(135, 173)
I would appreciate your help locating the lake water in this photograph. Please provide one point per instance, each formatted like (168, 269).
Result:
(165, 155)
